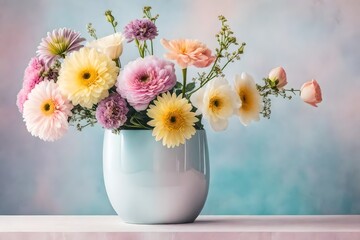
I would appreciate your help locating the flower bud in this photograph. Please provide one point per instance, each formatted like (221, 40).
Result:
(109, 16)
(311, 93)
(278, 74)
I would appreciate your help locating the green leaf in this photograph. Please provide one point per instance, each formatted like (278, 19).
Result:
(178, 85)
(190, 86)
(140, 115)
(178, 92)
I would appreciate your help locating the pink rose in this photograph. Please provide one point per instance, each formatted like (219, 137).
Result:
(278, 74)
(311, 93)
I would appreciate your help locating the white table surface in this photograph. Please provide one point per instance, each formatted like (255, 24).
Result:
(333, 223)
(206, 227)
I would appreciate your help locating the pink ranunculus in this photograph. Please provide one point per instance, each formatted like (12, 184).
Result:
(311, 93)
(143, 79)
(188, 52)
(278, 74)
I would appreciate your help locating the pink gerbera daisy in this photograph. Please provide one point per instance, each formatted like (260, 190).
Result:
(46, 111)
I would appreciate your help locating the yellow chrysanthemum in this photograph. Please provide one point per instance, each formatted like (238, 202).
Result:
(86, 76)
(172, 119)
(250, 98)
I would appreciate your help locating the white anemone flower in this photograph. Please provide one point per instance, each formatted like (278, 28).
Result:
(217, 101)
(245, 88)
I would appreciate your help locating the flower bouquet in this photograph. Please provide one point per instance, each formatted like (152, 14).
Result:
(76, 83)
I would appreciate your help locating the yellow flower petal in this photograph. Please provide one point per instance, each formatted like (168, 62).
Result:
(172, 119)
(86, 76)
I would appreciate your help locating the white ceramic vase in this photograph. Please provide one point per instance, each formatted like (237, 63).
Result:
(148, 183)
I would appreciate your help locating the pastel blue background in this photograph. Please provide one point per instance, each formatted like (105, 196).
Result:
(303, 160)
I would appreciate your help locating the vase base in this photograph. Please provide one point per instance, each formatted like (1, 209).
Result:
(158, 223)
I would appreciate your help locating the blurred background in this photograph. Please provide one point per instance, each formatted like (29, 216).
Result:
(304, 160)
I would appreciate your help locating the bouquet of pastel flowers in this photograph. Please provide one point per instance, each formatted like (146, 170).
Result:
(73, 83)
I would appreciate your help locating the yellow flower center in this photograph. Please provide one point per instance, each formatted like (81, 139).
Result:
(48, 107)
(58, 46)
(215, 104)
(88, 76)
(245, 99)
(174, 120)
(183, 50)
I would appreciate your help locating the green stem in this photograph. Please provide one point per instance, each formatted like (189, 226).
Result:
(136, 123)
(113, 25)
(229, 61)
(88, 124)
(139, 48)
(184, 72)
(146, 49)
(292, 90)
(212, 69)
(208, 78)
(152, 47)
